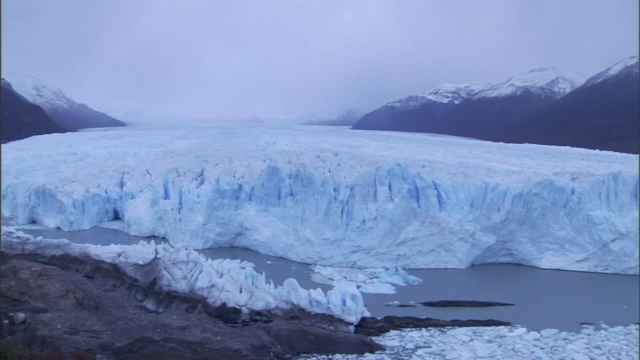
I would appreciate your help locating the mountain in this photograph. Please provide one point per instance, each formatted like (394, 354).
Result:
(478, 110)
(65, 111)
(604, 114)
(540, 107)
(21, 119)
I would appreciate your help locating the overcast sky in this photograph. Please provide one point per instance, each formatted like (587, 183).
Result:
(237, 59)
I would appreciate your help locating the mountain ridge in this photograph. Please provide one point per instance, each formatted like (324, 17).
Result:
(514, 110)
(22, 119)
(65, 111)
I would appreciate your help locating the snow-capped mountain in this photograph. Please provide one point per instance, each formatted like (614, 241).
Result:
(65, 111)
(445, 93)
(604, 113)
(513, 110)
(626, 67)
(542, 81)
(41, 93)
(21, 118)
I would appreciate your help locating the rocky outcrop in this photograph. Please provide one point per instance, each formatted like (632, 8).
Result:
(84, 309)
(371, 326)
(21, 118)
(65, 111)
(305, 339)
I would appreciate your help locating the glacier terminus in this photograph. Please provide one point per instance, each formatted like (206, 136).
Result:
(331, 196)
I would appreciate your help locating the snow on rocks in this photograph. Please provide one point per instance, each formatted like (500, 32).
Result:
(336, 197)
(219, 281)
(605, 342)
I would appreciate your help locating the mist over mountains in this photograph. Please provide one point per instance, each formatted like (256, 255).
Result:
(541, 107)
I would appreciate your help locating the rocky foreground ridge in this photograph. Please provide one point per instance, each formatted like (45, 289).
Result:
(65, 307)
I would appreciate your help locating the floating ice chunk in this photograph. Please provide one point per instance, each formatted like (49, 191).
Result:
(379, 281)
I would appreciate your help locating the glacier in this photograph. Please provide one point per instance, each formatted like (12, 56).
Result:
(334, 197)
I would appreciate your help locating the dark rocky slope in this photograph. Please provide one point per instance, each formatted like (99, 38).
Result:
(81, 116)
(65, 111)
(22, 119)
(482, 118)
(78, 308)
(604, 115)
(67, 307)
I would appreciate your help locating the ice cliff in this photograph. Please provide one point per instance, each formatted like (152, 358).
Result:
(232, 282)
(337, 197)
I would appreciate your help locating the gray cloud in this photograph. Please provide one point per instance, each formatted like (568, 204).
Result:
(233, 59)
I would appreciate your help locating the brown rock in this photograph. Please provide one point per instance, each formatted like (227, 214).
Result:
(309, 340)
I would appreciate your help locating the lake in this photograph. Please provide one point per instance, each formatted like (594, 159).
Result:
(542, 298)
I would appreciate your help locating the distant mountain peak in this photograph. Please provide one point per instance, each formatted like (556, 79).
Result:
(541, 106)
(455, 92)
(65, 111)
(543, 81)
(40, 92)
(443, 93)
(629, 65)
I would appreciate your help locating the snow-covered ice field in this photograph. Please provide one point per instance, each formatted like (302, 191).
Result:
(332, 196)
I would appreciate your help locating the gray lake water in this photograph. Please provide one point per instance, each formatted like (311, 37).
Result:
(543, 298)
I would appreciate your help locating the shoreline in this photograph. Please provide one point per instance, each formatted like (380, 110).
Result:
(83, 307)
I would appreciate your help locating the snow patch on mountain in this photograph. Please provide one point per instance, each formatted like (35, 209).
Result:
(445, 93)
(542, 81)
(41, 93)
(629, 65)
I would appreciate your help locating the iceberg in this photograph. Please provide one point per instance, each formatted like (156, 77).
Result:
(374, 281)
(220, 281)
(336, 197)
